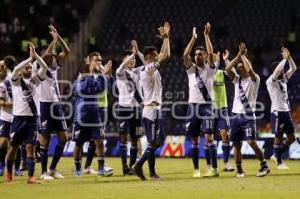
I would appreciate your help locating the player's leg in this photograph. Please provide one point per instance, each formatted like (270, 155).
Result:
(193, 131)
(79, 136)
(18, 171)
(250, 129)
(10, 158)
(98, 137)
(123, 130)
(207, 128)
(44, 139)
(89, 158)
(30, 162)
(3, 151)
(237, 136)
(226, 149)
(58, 152)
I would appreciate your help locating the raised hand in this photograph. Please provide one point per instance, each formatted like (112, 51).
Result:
(195, 33)
(31, 50)
(242, 49)
(51, 27)
(108, 68)
(135, 48)
(217, 57)
(207, 28)
(225, 55)
(167, 27)
(285, 53)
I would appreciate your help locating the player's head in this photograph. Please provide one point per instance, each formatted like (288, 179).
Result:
(27, 71)
(240, 69)
(126, 53)
(9, 62)
(49, 58)
(94, 61)
(150, 54)
(200, 55)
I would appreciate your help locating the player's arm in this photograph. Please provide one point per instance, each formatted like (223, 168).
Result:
(3, 102)
(292, 65)
(187, 60)
(230, 66)
(278, 69)
(51, 47)
(20, 66)
(121, 69)
(246, 62)
(225, 56)
(209, 46)
(165, 51)
(138, 52)
(43, 69)
(65, 49)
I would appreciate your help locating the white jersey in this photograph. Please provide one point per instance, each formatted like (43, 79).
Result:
(206, 74)
(47, 89)
(151, 89)
(6, 112)
(20, 100)
(278, 93)
(126, 87)
(151, 84)
(247, 88)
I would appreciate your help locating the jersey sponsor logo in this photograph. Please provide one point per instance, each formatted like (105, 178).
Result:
(216, 83)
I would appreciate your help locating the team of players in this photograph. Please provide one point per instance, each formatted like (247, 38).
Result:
(25, 107)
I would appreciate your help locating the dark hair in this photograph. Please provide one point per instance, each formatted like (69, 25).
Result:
(91, 55)
(200, 48)
(149, 50)
(126, 52)
(10, 62)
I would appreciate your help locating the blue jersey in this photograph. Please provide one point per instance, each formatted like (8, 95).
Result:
(85, 104)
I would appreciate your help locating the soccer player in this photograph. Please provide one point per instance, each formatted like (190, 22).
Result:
(221, 121)
(23, 128)
(281, 120)
(6, 66)
(86, 125)
(243, 123)
(50, 111)
(129, 108)
(102, 101)
(200, 110)
(152, 92)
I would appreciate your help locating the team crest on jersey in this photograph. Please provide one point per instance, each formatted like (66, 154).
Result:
(187, 126)
(12, 134)
(122, 124)
(44, 123)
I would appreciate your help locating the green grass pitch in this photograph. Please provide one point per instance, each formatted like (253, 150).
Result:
(177, 183)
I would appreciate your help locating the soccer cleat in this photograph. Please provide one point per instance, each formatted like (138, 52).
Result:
(127, 171)
(273, 158)
(155, 177)
(107, 168)
(196, 173)
(228, 167)
(104, 173)
(263, 171)
(46, 176)
(32, 180)
(8, 178)
(282, 166)
(18, 172)
(78, 173)
(55, 174)
(240, 174)
(139, 172)
(90, 170)
(212, 173)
